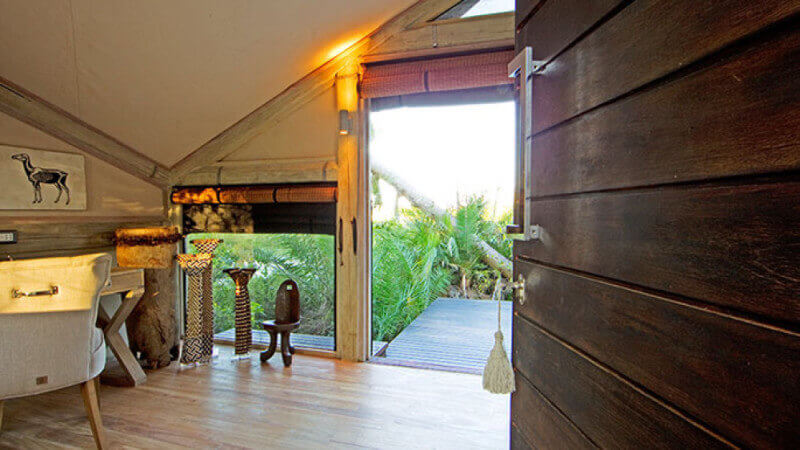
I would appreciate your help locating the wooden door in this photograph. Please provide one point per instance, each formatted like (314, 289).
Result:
(662, 299)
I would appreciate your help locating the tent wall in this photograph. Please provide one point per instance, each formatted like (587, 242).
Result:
(114, 198)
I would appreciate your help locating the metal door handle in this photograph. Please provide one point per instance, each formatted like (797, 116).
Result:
(523, 66)
(16, 293)
(355, 236)
(519, 289)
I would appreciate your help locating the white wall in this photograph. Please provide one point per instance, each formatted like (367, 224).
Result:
(309, 132)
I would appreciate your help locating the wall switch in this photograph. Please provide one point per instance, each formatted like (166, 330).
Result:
(8, 236)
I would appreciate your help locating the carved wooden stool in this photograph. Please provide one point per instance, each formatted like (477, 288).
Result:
(284, 330)
(287, 319)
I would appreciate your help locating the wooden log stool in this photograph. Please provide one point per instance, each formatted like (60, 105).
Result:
(287, 319)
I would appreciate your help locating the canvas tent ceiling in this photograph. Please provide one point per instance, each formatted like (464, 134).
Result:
(165, 77)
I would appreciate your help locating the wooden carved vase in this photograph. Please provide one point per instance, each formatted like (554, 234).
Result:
(244, 327)
(207, 246)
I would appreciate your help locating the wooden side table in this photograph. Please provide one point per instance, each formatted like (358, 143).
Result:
(130, 284)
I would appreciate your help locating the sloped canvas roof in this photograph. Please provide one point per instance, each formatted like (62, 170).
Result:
(165, 77)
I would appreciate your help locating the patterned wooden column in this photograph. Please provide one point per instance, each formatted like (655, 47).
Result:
(195, 348)
(244, 327)
(207, 246)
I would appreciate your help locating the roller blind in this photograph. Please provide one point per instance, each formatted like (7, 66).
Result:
(436, 75)
(309, 193)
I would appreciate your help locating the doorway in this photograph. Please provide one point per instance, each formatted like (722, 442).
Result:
(441, 192)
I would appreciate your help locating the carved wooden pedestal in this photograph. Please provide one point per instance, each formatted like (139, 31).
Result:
(284, 330)
(244, 328)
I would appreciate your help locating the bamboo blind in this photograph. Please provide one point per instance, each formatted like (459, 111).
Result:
(436, 75)
(255, 194)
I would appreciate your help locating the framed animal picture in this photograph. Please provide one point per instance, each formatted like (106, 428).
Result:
(34, 179)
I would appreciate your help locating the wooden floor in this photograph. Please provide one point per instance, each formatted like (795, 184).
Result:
(317, 403)
(451, 334)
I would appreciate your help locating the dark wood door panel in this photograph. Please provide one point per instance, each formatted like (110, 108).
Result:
(556, 24)
(739, 116)
(611, 412)
(523, 10)
(741, 378)
(732, 245)
(518, 442)
(541, 424)
(644, 41)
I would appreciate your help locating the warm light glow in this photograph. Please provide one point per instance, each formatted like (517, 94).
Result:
(347, 88)
(339, 48)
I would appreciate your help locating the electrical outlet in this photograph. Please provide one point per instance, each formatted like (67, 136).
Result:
(8, 236)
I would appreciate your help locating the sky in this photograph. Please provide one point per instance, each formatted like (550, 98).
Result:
(490, 7)
(448, 153)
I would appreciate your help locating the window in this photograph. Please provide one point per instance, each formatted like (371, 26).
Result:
(473, 8)
(308, 259)
(282, 231)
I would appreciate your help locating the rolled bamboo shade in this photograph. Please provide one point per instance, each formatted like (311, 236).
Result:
(436, 75)
(255, 194)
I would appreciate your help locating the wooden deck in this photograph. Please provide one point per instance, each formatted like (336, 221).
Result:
(303, 341)
(261, 338)
(452, 334)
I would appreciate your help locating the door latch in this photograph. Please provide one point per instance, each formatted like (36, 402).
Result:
(519, 289)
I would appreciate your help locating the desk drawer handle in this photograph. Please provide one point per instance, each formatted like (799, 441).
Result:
(16, 293)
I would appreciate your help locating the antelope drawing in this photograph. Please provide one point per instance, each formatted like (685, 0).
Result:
(38, 175)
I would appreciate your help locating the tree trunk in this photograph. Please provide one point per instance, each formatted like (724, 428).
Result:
(152, 326)
(491, 257)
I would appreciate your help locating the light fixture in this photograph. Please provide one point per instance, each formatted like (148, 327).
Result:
(345, 122)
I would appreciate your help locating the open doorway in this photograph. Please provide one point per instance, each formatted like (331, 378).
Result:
(442, 190)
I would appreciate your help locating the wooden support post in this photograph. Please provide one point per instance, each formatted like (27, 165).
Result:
(352, 306)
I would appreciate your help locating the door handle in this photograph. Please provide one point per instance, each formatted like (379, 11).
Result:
(519, 289)
(341, 241)
(355, 235)
(523, 66)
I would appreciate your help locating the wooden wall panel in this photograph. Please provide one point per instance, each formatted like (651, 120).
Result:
(547, 428)
(736, 117)
(723, 244)
(557, 23)
(77, 236)
(646, 40)
(609, 410)
(707, 367)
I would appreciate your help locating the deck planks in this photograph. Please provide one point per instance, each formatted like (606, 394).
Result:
(453, 333)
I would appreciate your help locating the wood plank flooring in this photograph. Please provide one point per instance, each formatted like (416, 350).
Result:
(317, 403)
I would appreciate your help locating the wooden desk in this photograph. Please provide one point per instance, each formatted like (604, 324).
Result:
(130, 284)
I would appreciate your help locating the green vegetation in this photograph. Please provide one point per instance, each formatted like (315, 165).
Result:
(308, 259)
(416, 259)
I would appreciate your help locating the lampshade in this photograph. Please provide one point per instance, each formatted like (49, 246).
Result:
(146, 248)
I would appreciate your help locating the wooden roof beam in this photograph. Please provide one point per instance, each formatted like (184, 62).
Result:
(38, 113)
(301, 92)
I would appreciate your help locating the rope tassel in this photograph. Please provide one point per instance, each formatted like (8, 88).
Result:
(498, 375)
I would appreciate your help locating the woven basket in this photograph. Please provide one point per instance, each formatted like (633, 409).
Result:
(146, 248)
